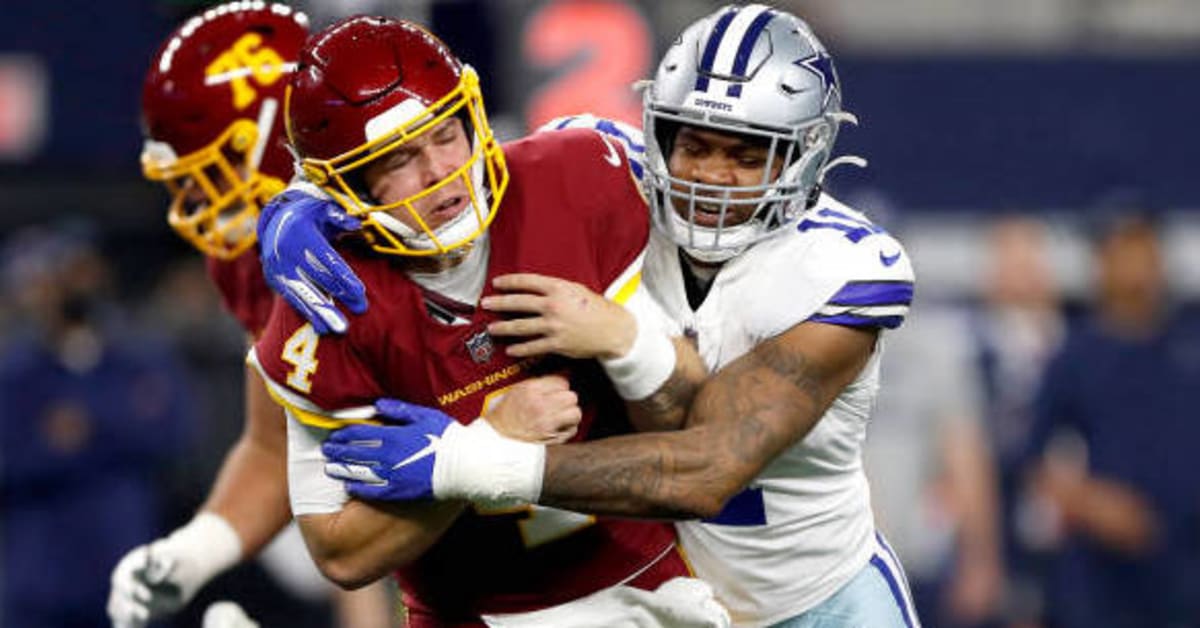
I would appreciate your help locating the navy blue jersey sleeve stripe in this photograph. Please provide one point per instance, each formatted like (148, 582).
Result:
(874, 293)
(855, 320)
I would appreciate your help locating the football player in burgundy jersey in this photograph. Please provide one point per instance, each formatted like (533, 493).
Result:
(212, 113)
(389, 123)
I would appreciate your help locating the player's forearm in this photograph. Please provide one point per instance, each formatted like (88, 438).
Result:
(738, 423)
(667, 407)
(367, 540)
(740, 420)
(251, 494)
(250, 491)
(743, 416)
(667, 475)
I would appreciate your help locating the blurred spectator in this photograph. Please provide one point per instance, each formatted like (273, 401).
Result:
(1017, 328)
(87, 417)
(1125, 497)
(931, 473)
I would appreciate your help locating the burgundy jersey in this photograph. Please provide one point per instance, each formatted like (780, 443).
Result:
(243, 289)
(572, 211)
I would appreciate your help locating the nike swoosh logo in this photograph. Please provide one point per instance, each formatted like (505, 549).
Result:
(429, 450)
(888, 260)
(612, 157)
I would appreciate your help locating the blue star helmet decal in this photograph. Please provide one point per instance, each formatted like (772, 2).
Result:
(821, 64)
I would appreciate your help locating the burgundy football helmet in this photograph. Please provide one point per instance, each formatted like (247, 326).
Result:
(212, 122)
(366, 86)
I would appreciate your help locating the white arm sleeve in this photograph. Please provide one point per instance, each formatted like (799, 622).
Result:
(309, 489)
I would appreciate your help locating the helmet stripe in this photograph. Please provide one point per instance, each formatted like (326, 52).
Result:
(745, 48)
(710, 49)
(726, 52)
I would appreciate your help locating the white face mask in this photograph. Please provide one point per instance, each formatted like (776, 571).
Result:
(733, 240)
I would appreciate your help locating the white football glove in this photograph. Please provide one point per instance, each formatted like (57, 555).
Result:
(158, 579)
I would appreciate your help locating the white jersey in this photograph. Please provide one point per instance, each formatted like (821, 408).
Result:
(804, 527)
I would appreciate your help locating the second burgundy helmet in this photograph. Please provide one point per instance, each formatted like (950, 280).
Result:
(212, 117)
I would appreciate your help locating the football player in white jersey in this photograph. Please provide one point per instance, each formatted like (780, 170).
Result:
(785, 292)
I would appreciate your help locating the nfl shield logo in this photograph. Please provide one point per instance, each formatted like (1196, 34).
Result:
(480, 347)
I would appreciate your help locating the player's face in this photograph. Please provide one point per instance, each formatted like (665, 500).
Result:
(715, 158)
(420, 164)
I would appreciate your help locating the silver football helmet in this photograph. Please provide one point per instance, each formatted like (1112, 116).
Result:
(760, 73)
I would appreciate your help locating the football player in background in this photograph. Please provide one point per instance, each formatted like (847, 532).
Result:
(212, 117)
(785, 291)
(386, 120)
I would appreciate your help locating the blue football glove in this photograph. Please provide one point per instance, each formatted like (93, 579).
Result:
(392, 462)
(294, 234)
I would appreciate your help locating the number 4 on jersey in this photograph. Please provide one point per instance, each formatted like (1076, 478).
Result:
(301, 352)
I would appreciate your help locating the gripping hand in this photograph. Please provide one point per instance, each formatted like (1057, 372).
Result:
(422, 453)
(393, 462)
(294, 234)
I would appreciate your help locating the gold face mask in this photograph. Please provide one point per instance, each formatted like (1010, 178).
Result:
(484, 174)
(216, 194)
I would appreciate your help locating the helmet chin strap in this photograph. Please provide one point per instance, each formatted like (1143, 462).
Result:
(456, 230)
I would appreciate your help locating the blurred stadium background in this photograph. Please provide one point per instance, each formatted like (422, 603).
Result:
(1002, 137)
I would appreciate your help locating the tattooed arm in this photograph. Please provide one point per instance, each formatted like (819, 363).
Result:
(667, 407)
(742, 417)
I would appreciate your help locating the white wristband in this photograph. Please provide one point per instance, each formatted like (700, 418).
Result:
(478, 464)
(645, 367)
(211, 545)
